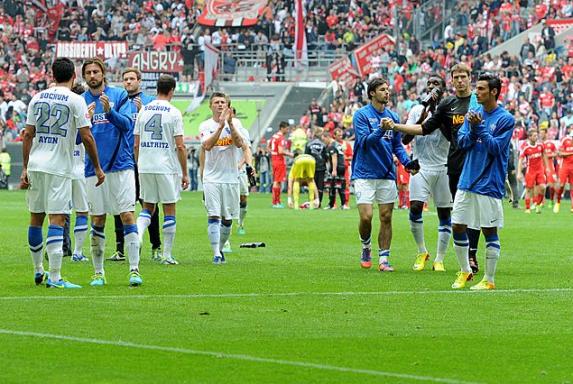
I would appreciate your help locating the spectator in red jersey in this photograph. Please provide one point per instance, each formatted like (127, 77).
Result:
(278, 149)
(533, 154)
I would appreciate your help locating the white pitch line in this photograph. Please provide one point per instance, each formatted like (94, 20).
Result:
(232, 356)
(290, 294)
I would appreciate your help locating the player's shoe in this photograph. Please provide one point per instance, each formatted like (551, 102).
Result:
(420, 262)
(474, 265)
(345, 207)
(40, 278)
(79, 258)
(98, 280)
(438, 266)
(385, 267)
(366, 258)
(61, 284)
(217, 260)
(279, 205)
(556, 207)
(169, 261)
(156, 255)
(538, 209)
(241, 231)
(461, 279)
(528, 210)
(550, 204)
(135, 279)
(227, 247)
(223, 260)
(483, 285)
(117, 256)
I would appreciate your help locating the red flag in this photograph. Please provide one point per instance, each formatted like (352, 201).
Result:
(301, 55)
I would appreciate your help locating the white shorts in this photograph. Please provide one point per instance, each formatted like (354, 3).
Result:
(370, 191)
(116, 195)
(243, 184)
(80, 195)
(477, 211)
(431, 183)
(222, 200)
(157, 188)
(49, 193)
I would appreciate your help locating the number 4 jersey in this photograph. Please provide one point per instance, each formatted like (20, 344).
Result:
(157, 125)
(57, 114)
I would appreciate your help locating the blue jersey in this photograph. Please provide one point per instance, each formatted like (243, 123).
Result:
(487, 152)
(374, 147)
(112, 131)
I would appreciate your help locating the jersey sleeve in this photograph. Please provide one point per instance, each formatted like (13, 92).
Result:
(31, 117)
(81, 114)
(435, 121)
(415, 114)
(137, 126)
(178, 121)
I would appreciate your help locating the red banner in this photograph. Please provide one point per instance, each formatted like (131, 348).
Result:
(560, 25)
(86, 50)
(363, 53)
(232, 13)
(156, 61)
(342, 70)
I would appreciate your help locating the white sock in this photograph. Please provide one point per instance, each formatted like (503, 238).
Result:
(214, 232)
(383, 255)
(417, 229)
(242, 214)
(80, 233)
(143, 221)
(36, 245)
(462, 247)
(366, 244)
(98, 248)
(54, 243)
(444, 236)
(492, 251)
(169, 229)
(225, 234)
(132, 245)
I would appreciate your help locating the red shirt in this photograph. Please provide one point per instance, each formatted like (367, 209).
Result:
(566, 146)
(546, 99)
(534, 156)
(551, 152)
(278, 140)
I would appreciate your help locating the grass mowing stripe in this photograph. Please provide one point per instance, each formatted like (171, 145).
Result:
(293, 294)
(231, 356)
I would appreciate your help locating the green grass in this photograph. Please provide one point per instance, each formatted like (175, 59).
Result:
(403, 327)
(246, 112)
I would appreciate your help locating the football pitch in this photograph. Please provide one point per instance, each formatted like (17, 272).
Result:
(299, 310)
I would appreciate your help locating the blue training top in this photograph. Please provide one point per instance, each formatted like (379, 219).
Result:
(374, 147)
(487, 147)
(112, 131)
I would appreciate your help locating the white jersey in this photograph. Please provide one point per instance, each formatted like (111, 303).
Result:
(57, 113)
(221, 161)
(79, 172)
(157, 125)
(430, 150)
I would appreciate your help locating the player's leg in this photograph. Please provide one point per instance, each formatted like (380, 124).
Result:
(312, 193)
(296, 193)
(229, 212)
(342, 193)
(385, 196)
(420, 192)
(154, 237)
(443, 200)
(144, 219)
(36, 245)
(243, 213)
(346, 188)
(319, 181)
(119, 254)
(365, 213)
(169, 230)
(463, 214)
(213, 203)
(81, 206)
(122, 187)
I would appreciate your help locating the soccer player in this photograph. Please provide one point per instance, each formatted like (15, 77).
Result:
(137, 99)
(55, 117)
(431, 151)
(534, 153)
(336, 181)
(222, 141)
(373, 170)
(550, 172)
(347, 150)
(566, 169)
(485, 135)
(277, 146)
(448, 118)
(317, 149)
(162, 162)
(302, 171)
(112, 128)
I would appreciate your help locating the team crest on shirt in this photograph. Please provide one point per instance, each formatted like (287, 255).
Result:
(373, 120)
(492, 127)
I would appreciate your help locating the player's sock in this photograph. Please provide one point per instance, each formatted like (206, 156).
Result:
(80, 233)
(473, 238)
(119, 240)
(143, 221)
(492, 250)
(276, 195)
(35, 242)
(98, 248)
(383, 255)
(366, 243)
(312, 195)
(417, 228)
(132, 243)
(296, 193)
(54, 243)
(527, 203)
(242, 213)
(444, 236)
(169, 229)
(559, 194)
(461, 246)
(540, 199)
(551, 193)
(214, 232)
(225, 230)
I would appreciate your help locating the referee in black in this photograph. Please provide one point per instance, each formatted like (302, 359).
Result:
(317, 149)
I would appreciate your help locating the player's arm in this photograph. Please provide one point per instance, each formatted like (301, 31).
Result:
(120, 118)
(136, 138)
(28, 137)
(201, 162)
(290, 183)
(91, 150)
(182, 157)
(365, 138)
(497, 145)
(520, 167)
(238, 139)
(467, 137)
(208, 143)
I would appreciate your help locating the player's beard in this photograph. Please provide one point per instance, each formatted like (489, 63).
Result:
(94, 84)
